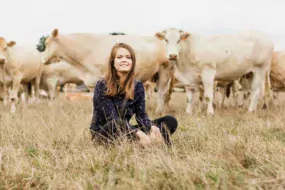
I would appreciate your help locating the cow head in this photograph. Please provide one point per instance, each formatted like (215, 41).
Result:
(4, 45)
(172, 38)
(51, 47)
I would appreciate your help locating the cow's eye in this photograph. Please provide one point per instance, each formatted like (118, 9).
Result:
(166, 40)
(178, 41)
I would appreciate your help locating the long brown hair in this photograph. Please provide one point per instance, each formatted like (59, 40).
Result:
(126, 86)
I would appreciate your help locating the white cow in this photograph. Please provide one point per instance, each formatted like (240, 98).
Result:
(59, 73)
(201, 60)
(89, 53)
(20, 64)
(277, 75)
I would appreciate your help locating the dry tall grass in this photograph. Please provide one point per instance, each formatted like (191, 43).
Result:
(45, 147)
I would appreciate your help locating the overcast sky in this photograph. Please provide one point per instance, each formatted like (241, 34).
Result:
(25, 21)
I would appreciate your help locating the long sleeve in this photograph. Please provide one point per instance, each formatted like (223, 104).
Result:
(102, 103)
(141, 115)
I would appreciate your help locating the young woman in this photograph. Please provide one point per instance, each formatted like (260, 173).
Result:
(118, 96)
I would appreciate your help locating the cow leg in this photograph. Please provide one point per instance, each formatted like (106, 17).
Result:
(52, 89)
(146, 89)
(219, 95)
(25, 93)
(149, 95)
(189, 92)
(275, 98)
(31, 98)
(200, 91)
(208, 76)
(6, 95)
(162, 90)
(151, 87)
(222, 102)
(201, 94)
(36, 85)
(14, 92)
(52, 85)
(23, 97)
(163, 84)
(266, 90)
(4, 85)
(262, 94)
(238, 94)
(257, 84)
(215, 94)
(238, 99)
(223, 99)
(2, 90)
(227, 94)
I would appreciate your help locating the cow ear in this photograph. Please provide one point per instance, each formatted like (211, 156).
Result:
(55, 33)
(160, 36)
(185, 35)
(11, 43)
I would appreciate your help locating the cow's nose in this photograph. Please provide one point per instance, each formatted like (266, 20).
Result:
(2, 60)
(172, 56)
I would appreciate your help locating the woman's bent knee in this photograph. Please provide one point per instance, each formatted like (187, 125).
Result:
(171, 123)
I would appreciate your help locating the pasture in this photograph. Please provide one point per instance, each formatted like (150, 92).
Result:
(44, 147)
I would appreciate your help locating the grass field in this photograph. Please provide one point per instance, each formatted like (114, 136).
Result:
(44, 147)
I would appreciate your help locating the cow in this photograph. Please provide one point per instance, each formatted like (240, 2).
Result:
(90, 52)
(20, 64)
(277, 76)
(202, 60)
(58, 73)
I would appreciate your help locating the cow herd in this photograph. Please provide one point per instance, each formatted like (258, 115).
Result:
(197, 62)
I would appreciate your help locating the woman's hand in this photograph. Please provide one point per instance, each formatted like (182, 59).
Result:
(155, 134)
(144, 139)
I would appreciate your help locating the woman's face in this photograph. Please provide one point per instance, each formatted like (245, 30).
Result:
(123, 61)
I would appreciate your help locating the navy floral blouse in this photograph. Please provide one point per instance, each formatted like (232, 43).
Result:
(107, 108)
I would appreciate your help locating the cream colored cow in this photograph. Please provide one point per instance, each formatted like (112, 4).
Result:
(201, 60)
(277, 75)
(20, 64)
(59, 73)
(89, 53)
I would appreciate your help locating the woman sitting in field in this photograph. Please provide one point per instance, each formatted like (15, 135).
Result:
(118, 96)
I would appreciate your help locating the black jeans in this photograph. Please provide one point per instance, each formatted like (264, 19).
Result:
(118, 128)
